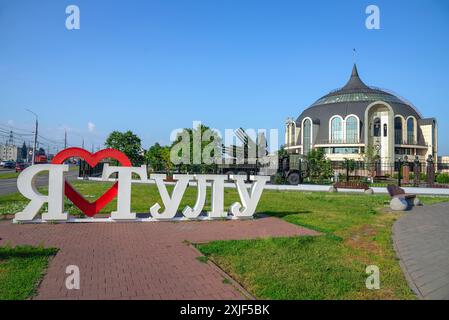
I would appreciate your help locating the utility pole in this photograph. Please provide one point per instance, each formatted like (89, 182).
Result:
(35, 136)
(65, 139)
(11, 139)
(83, 144)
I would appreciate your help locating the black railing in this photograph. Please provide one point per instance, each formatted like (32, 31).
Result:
(86, 171)
(411, 173)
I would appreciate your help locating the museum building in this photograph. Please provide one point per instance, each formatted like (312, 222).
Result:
(349, 120)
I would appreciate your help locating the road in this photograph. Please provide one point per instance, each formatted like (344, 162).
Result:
(8, 186)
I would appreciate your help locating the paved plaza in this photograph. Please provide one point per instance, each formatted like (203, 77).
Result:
(152, 260)
(421, 239)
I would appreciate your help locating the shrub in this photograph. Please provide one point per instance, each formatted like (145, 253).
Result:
(278, 179)
(443, 178)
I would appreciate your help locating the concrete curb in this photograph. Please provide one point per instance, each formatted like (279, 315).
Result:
(237, 286)
(311, 188)
(404, 269)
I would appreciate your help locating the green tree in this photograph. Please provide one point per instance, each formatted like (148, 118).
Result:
(24, 151)
(128, 143)
(210, 142)
(350, 164)
(319, 166)
(282, 152)
(370, 157)
(158, 158)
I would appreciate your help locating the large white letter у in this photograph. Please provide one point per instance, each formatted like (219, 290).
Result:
(171, 204)
(249, 202)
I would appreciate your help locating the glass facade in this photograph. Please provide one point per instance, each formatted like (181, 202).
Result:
(404, 151)
(342, 150)
(355, 97)
(376, 129)
(398, 130)
(352, 130)
(337, 130)
(307, 135)
(411, 131)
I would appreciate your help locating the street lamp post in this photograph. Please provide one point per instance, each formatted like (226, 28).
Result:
(399, 171)
(35, 137)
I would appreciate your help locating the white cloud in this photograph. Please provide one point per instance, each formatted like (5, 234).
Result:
(91, 126)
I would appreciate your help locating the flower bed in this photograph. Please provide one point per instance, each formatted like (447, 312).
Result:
(351, 185)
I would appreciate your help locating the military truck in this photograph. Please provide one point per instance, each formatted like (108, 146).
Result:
(293, 167)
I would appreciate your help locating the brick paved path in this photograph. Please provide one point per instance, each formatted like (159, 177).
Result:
(421, 239)
(139, 260)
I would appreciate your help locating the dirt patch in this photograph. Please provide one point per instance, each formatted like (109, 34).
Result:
(360, 238)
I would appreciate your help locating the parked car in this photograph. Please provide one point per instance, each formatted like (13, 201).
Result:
(9, 165)
(2, 163)
(21, 166)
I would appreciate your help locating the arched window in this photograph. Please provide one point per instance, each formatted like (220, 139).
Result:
(352, 130)
(307, 136)
(291, 134)
(398, 130)
(336, 130)
(385, 130)
(376, 129)
(411, 131)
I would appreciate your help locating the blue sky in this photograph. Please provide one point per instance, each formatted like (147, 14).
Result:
(153, 66)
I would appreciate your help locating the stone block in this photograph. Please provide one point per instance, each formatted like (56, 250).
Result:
(398, 204)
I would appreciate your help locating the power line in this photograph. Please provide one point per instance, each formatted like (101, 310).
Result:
(16, 136)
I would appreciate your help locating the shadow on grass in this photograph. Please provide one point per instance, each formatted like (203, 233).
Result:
(282, 214)
(8, 252)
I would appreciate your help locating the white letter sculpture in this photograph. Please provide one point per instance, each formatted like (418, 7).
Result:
(27, 187)
(217, 197)
(124, 189)
(249, 201)
(249, 196)
(171, 204)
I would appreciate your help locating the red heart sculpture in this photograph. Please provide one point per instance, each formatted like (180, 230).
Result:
(91, 208)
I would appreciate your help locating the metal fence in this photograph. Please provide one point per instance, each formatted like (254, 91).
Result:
(86, 171)
(402, 173)
(413, 173)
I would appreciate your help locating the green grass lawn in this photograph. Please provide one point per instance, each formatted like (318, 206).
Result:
(356, 233)
(8, 175)
(21, 269)
(12, 175)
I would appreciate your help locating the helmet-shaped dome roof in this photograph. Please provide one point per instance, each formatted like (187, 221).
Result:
(352, 99)
(356, 90)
